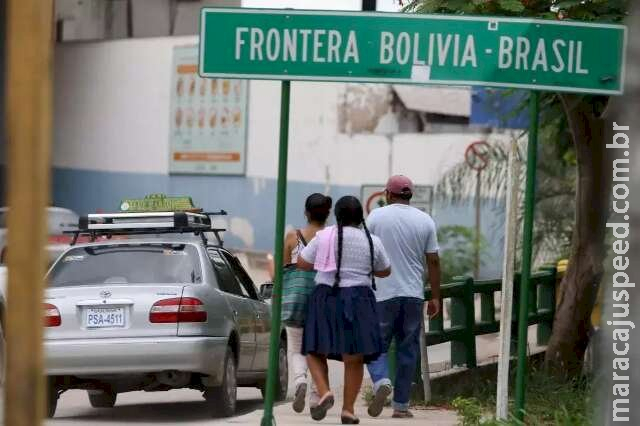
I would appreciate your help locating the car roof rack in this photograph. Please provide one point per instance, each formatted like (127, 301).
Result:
(118, 224)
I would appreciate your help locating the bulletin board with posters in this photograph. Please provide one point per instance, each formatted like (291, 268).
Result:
(208, 120)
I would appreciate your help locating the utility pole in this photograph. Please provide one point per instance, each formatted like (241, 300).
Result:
(29, 28)
(476, 266)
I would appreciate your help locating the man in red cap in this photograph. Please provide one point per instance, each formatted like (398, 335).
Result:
(409, 236)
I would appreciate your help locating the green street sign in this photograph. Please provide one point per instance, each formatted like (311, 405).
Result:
(564, 56)
(156, 203)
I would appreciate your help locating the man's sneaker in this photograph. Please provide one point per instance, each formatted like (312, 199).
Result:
(300, 397)
(379, 400)
(402, 414)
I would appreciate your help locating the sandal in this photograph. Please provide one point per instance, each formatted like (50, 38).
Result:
(349, 419)
(325, 404)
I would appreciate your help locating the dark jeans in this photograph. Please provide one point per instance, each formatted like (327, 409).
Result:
(400, 319)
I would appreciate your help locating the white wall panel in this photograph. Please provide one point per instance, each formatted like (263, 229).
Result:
(111, 107)
(112, 114)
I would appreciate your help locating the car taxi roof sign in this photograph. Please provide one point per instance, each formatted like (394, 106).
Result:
(157, 203)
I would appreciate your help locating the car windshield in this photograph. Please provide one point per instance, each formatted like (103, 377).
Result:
(127, 264)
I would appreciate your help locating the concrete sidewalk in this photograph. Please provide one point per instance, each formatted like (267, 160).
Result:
(187, 408)
(285, 416)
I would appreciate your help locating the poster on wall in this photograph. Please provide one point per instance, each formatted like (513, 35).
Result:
(208, 120)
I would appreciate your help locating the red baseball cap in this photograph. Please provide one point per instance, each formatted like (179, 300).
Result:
(400, 185)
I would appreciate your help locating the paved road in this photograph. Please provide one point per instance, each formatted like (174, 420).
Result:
(189, 409)
(184, 407)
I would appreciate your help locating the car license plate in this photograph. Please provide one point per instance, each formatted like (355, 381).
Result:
(104, 317)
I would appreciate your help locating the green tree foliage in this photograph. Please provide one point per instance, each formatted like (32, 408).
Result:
(555, 204)
(584, 10)
(585, 115)
(457, 251)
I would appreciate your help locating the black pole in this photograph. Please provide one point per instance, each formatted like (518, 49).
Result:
(369, 5)
(130, 19)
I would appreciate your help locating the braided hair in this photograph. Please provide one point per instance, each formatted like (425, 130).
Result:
(336, 283)
(371, 253)
(349, 212)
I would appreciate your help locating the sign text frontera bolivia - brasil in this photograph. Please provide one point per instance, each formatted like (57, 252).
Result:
(403, 48)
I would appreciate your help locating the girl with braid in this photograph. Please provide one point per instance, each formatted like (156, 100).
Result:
(295, 298)
(342, 321)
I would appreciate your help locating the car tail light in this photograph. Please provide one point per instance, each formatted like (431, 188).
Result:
(176, 310)
(51, 316)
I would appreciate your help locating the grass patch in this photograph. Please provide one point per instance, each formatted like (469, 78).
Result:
(368, 394)
(548, 400)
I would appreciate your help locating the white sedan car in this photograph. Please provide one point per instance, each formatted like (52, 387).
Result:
(155, 313)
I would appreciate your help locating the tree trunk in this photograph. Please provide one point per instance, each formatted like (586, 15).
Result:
(579, 288)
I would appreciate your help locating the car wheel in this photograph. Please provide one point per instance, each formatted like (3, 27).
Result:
(52, 400)
(283, 375)
(102, 398)
(222, 399)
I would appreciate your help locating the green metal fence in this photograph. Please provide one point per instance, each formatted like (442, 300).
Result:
(464, 327)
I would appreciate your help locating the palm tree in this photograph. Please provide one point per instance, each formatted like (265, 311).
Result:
(555, 195)
(588, 118)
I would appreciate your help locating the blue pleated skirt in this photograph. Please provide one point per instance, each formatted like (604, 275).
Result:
(342, 321)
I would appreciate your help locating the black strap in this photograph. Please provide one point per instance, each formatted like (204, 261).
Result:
(301, 237)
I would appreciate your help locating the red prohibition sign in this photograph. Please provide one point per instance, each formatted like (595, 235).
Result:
(477, 155)
(371, 198)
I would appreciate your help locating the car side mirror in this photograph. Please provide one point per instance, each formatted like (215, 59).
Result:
(266, 291)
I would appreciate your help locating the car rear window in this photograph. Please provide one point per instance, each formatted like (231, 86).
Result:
(127, 264)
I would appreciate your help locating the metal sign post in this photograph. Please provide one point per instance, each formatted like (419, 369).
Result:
(476, 262)
(477, 157)
(276, 298)
(527, 251)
